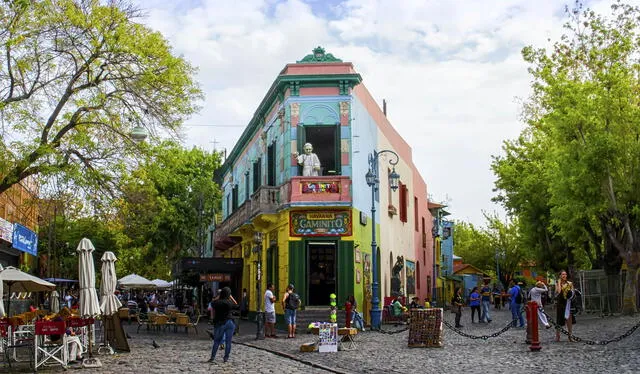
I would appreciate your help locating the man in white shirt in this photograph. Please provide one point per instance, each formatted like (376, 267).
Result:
(270, 312)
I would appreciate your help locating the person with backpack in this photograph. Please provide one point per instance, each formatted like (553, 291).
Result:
(517, 299)
(290, 304)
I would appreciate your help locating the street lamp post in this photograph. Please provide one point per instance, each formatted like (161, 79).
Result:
(373, 181)
(257, 238)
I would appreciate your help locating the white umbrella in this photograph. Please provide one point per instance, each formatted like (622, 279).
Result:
(161, 283)
(110, 302)
(1, 302)
(89, 306)
(16, 280)
(55, 302)
(135, 281)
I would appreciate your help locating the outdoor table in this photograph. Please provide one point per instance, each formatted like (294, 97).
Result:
(347, 343)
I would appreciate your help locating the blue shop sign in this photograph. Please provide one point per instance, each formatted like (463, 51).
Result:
(25, 240)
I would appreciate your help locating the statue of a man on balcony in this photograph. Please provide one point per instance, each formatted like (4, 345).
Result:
(309, 161)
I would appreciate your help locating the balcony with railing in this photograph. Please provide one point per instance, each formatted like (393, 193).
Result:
(320, 189)
(303, 191)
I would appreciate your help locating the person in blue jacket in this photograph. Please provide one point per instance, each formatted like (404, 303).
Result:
(516, 307)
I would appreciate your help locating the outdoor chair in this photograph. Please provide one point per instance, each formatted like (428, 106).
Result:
(17, 341)
(182, 320)
(146, 319)
(193, 325)
(50, 352)
(160, 321)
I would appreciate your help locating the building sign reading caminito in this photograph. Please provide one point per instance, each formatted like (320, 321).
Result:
(320, 223)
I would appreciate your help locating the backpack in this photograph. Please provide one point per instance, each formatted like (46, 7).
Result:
(293, 301)
(520, 297)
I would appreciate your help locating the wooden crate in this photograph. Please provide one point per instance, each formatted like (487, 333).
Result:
(425, 328)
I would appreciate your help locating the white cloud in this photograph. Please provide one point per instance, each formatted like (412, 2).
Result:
(450, 71)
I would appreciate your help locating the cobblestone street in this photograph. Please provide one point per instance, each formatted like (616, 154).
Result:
(388, 353)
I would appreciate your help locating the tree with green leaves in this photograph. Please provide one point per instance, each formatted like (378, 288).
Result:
(497, 244)
(167, 205)
(75, 78)
(584, 115)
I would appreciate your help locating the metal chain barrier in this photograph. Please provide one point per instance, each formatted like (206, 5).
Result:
(391, 332)
(587, 341)
(483, 337)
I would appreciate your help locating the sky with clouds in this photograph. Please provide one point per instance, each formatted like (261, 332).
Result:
(450, 71)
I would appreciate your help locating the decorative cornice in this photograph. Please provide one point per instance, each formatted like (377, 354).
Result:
(317, 56)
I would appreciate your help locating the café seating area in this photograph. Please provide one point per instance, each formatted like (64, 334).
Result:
(39, 339)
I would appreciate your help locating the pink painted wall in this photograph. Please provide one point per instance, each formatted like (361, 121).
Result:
(319, 91)
(319, 69)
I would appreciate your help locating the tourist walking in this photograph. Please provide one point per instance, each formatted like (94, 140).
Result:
(456, 303)
(223, 324)
(564, 294)
(474, 304)
(485, 298)
(516, 304)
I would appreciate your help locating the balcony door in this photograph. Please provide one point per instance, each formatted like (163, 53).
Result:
(271, 165)
(257, 174)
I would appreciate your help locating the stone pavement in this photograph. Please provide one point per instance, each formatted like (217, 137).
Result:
(388, 353)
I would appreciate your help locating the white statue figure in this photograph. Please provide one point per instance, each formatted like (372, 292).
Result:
(309, 161)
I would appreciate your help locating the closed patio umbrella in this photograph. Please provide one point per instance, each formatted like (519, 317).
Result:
(109, 302)
(55, 302)
(89, 306)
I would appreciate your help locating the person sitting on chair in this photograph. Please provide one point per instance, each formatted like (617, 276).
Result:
(74, 346)
(397, 307)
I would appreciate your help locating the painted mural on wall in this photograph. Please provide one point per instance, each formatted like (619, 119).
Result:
(317, 223)
(411, 277)
(396, 281)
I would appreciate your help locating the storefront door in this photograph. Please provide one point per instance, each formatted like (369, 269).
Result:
(321, 271)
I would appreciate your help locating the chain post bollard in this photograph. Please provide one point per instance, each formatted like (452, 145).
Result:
(532, 326)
